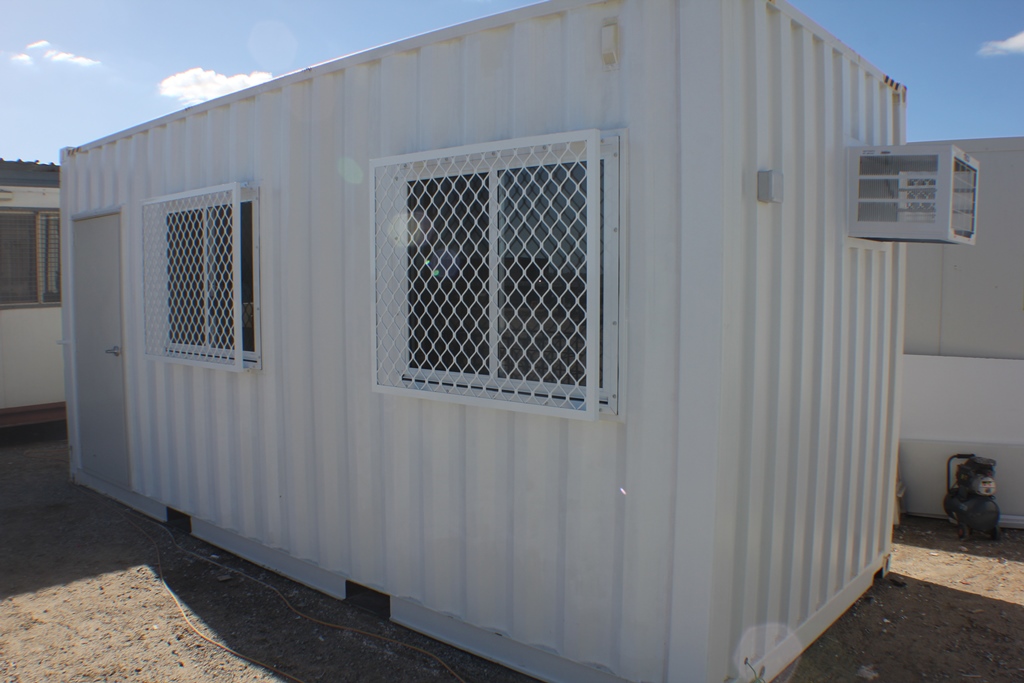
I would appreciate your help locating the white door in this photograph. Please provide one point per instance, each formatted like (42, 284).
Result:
(98, 343)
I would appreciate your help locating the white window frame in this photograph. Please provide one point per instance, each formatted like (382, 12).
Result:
(156, 306)
(602, 342)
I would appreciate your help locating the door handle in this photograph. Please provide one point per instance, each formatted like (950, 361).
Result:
(114, 351)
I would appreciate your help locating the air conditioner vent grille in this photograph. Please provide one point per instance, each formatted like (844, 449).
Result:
(898, 188)
(895, 164)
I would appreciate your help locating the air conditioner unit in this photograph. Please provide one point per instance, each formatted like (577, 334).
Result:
(913, 193)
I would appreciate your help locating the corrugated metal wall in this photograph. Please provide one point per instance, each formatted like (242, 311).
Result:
(813, 334)
(574, 537)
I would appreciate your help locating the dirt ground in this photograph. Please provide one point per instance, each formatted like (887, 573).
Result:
(81, 600)
(948, 610)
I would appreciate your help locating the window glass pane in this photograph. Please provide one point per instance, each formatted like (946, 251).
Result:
(186, 287)
(449, 274)
(542, 273)
(18, 258)
(248, 288)
(220, 277)
(49, 256)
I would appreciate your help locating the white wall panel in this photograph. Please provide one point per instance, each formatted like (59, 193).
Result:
(326, 327)
(970, 302)
(985, 394)
(366, 416)
(808, 368)
(31, 362)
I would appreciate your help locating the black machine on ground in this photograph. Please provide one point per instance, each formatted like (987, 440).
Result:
(970, 502)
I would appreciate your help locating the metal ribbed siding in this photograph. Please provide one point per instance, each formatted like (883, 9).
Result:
(813, 333)
(592, 540)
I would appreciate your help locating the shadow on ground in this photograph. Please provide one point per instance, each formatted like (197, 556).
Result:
(69, 554)
(939, 535)
(958, 618)
(47, 526)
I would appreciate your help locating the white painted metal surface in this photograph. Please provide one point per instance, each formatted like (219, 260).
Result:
(98, 338)
(963, 399)
(970, 302)
(738, 502)
(31, 362)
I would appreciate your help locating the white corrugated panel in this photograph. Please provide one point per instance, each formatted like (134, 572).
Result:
(745, 480)
(812, 335)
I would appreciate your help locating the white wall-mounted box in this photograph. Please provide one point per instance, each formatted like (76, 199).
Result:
(913, 194)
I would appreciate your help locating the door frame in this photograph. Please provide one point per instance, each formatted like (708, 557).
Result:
(127, 496)
(69, 305)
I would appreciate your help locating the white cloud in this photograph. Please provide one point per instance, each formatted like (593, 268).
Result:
(52, 55)
(1012, 45)
(198, 85)
(55, 56)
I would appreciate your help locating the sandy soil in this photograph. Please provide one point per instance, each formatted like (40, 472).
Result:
(81, 600)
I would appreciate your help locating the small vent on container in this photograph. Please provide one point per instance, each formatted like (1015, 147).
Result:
(368, 599)
(179, 520)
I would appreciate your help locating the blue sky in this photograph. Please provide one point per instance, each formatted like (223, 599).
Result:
(961, 60)
(75, 70)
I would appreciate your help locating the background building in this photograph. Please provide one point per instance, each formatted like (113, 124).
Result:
(31, 360)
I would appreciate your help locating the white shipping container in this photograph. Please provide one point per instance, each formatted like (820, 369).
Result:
(696, 471)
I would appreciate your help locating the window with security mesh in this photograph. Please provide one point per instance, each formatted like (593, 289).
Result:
(496, 274)
(200, 278)
(29, 258)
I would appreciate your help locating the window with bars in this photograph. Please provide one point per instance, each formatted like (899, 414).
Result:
(29, 258)
(496, 274)
(200, 277)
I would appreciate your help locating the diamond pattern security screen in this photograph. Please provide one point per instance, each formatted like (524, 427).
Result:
(199, 278)
(29, 258)
(491, 283)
